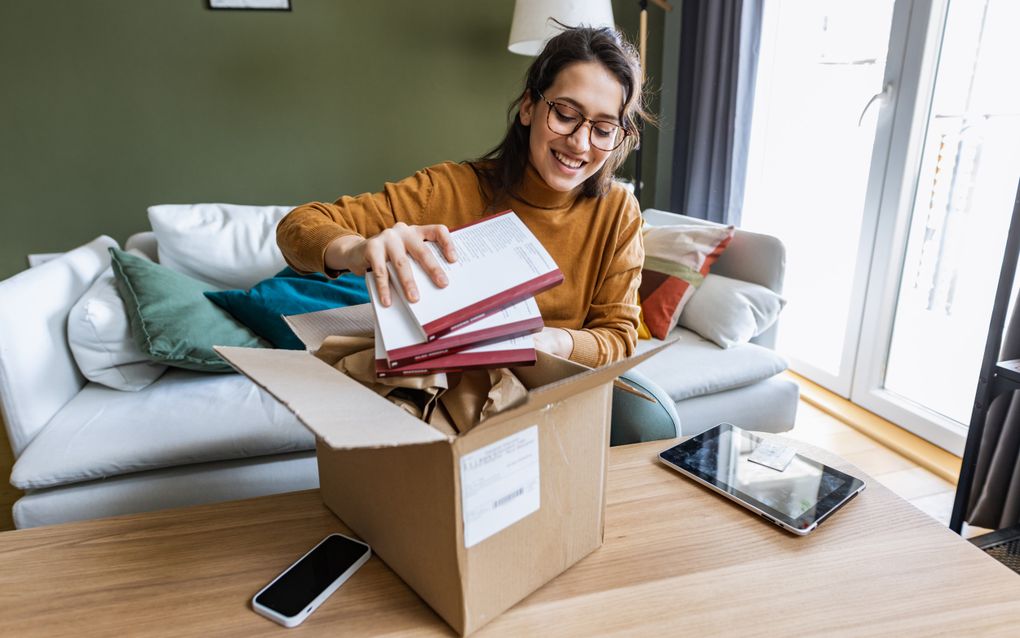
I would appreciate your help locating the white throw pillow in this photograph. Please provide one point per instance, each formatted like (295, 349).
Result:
(99, 335)
(730, 311)
(226, 245)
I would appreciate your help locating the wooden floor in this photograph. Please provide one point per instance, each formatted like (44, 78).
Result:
(922, 488)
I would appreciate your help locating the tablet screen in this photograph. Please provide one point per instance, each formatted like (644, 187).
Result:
(720, 457)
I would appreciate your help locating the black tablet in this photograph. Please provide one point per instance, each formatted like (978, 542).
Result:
(774, 482)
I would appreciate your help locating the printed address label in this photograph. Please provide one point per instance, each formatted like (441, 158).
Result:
(499, 485)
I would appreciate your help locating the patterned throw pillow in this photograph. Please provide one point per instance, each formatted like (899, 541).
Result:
(677, 258)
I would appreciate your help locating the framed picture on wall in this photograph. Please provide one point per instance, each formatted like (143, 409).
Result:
(258, 5)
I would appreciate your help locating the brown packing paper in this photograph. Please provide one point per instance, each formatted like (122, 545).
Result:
(334, 348)
(506, 391)
(476, 395)
(465, 398)
(441, 421)
(469, 397)
(416, 395)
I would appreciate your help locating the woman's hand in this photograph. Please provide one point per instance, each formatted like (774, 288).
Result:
(555, 341)
(396, 245)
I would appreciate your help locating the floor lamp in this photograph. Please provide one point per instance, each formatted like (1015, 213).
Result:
(642, 50)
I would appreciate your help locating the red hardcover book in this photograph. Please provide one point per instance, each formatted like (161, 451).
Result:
(404, 344)
(499, 263)
(518, 351)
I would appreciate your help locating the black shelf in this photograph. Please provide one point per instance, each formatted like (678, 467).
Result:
(996, 377)
(1009, 371)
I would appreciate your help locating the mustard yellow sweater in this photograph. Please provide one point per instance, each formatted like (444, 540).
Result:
(596, 242)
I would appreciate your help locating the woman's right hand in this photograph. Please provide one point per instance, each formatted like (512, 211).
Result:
(397, 245)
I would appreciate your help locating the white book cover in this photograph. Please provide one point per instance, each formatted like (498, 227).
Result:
(499, 262)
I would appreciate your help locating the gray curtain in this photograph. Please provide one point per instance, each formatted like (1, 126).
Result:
(719, 45)
(995, 493)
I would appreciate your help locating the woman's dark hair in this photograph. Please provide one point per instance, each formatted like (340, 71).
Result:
(502, 168)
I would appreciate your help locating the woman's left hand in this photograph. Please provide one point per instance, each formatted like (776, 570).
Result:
(555, 341)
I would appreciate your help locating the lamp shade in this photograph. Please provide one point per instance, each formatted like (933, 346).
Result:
(533, 20)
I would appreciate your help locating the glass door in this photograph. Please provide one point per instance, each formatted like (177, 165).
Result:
(927, 316)
(817, 120)
(890, 177)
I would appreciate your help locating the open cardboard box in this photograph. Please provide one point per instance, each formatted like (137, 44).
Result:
(473, 523)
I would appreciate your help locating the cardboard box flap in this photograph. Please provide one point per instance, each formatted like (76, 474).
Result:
(559, 390)
(312, 328)
(553, 368)
(336, 408)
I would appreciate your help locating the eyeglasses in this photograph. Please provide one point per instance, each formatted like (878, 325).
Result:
(565, 120)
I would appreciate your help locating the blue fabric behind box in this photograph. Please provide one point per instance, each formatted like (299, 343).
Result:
(288, 293)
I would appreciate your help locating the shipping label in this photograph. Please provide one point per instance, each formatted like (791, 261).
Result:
(499, 485)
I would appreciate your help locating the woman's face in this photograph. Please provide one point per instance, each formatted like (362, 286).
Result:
(566, 161)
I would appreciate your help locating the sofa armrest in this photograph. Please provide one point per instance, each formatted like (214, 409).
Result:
(752, 257)
(38, 374)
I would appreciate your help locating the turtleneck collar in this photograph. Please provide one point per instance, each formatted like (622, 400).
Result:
(534, 192)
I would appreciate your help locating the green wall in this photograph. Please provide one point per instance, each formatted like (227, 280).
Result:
(110, 106)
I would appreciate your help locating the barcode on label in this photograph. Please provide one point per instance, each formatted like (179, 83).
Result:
(509, 497)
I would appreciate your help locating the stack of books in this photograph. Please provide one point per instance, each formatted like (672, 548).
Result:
(483, 318)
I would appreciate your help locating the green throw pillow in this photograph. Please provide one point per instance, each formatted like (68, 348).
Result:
(171, 319)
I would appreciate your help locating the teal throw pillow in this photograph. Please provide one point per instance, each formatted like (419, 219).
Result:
(171, 320)
(262, 308)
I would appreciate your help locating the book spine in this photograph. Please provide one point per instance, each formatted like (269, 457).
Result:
(418, 372)
(524, 357)
(420, 353)
(466, 316)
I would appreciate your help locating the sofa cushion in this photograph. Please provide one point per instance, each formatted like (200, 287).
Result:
(677, 258)
(169, 487)
(99, 335)
(695, 367)
(171, 320)
(37, 371)
(227, 245)
(184, 417)
(730, 311)
(263, 307)
(766, 406)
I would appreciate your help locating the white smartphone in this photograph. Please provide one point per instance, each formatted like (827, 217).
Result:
(301, 588)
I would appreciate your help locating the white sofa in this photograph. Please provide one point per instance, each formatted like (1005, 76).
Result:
(84, 450)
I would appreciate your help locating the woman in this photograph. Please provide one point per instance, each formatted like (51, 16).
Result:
(571, 129)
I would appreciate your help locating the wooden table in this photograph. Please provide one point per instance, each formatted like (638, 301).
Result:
(677, 560)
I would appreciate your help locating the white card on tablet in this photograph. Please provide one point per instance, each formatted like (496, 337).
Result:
(772, 454)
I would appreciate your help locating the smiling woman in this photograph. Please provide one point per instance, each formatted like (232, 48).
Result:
(570, 148)
(570, 129)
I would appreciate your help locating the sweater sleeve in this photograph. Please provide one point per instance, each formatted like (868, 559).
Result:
(306, 231)
(610, 328)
